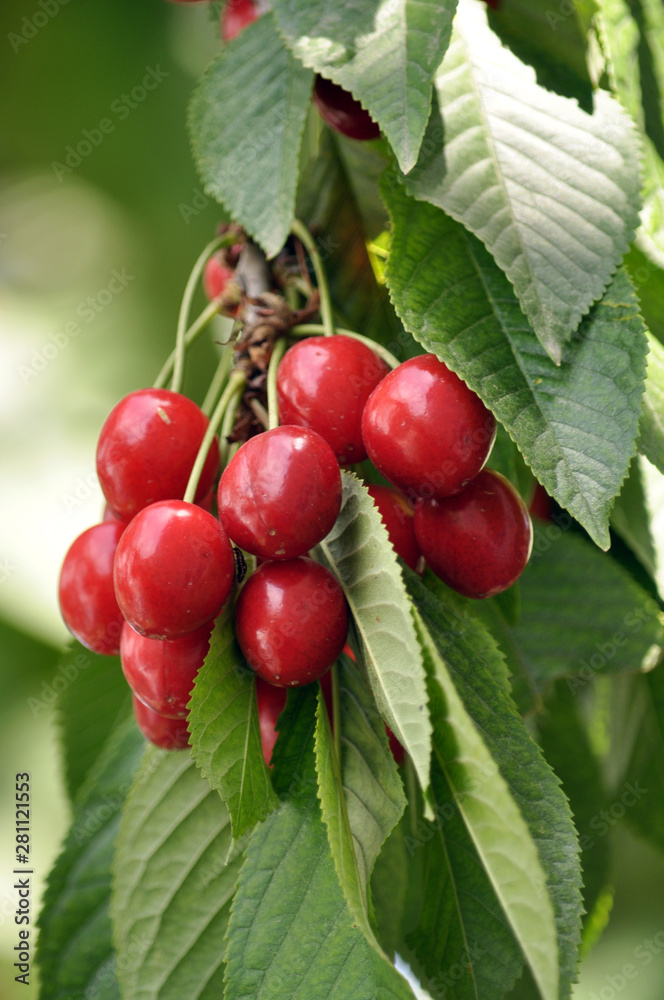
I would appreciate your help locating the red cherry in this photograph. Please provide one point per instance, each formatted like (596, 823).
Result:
(236, 16)
(87, 598)
(271, 702)
(323, 383)
(216, 277)
(174, 568)
(291, 621)
(110, 515)
(397, 515)
(540, 505)
(281, 493)
(161, 672)
(478, 541)
(169, 734)
(425, 430)
(342, 112)
(147, 448)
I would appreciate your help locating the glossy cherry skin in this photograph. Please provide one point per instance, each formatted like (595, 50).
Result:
(237, 15)
(161, 672)
(323, 383)
(169, 734)
(147, 448)
(271, 702)
(281, 493)
(87, 597)
(174, 568)
(479, 541)
(425, 430)
(541, 506)
(397, 515)
(291, 621)
(342, 112)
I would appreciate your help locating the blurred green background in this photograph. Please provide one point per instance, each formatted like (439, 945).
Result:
(80, 204)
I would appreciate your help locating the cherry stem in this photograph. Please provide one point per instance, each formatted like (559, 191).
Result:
(272, 402)
(260, 412)
(192, 334)
(227, 425)
(304, 236)
(235, 385)
(217, 382)
(311, 329)
(185, 308)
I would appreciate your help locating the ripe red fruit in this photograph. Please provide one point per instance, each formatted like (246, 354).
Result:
(291, 621)
(147, 448)
(161, 672)
(174, 568)
(87, 598)
(169, 734)
(236, 15)
(478, 541)
(271, 701)
(323, 383)
(216, 277)
(281, 493)
(425, 430)
(541, 505)
(342, 112)
(397, 515)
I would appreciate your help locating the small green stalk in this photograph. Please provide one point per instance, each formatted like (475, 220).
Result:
(305, 237)
(217, 382)
(192, 334)
(185, 308)
(272, 403)
(235, 385)
(314, 329)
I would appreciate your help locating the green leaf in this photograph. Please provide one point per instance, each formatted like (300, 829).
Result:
(172, 887)
(553, 192)
(395, 888)
(575, 424)
(246, 121)
(291, 935)
(374, 795)
(384, 53)
(360, 554)
(553, 41)
(94, 696)
(337, 197)
(480, 676)
(630, 518)
(75, 952)
(494, 822)
(581, 613)
(564, 739)
(225, 733)
(642, 794)
(651, 442)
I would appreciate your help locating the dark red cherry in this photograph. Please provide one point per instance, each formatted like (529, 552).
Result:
(342, 112)
(291, 621)
(271, 701)
(397, 515)
(323, 383)
(87, 598)
(237, 15)
(147, 448)
(281, 493)
(425, 430)
(161, 672)
(541, 505)
(478, 541)
(169, 734)
(174, 568)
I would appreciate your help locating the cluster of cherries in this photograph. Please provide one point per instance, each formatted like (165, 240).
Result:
(149, 581)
